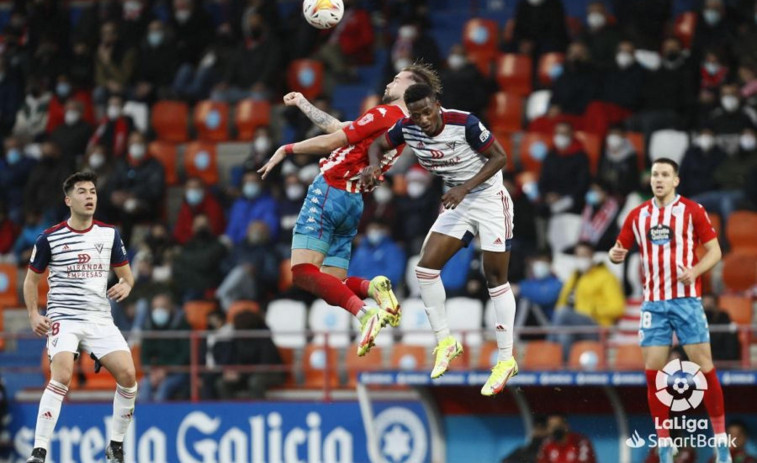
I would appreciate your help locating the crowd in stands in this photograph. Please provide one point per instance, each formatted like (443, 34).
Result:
(69, 86)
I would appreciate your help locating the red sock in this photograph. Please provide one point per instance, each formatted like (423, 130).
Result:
(358, 285)
(713, 400)
(327, 287)
(659, 410)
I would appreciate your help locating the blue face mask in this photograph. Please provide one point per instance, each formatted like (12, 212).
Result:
(251, 190)
(555, 71)
(154, 38)
(538, 151)
(160, 316)
(194, 197)
(13, 156)
(592, 197)
(63, 89)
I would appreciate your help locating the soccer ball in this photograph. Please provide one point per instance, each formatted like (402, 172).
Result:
(323, 14)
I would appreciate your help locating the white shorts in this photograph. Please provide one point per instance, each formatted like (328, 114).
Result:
(488, 215)
(97, 338)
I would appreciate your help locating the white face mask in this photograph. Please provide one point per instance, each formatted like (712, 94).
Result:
(294, 191)
(561, 141)
(160, 316)
(624, 59)
(113, 112)
(262, 144)
(382, 195)
(583, 264)
(747, 142)
(614, 141)
(71, 117)
(730, 103)
(706, 141)
(375, 236)
(535, 2)
(415, 189)
(401, 64)
(96, 160)
(407, 32)
(596, 20)
(456, 62)
(540, 269)
(711, 68)
(182, 16)
(137, 151)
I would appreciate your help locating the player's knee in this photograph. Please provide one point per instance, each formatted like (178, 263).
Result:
(127, 377)
(495, 277)
(62, 376)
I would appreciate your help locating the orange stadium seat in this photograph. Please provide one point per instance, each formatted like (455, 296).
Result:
(487, 355)
(197, 313)
(249, 115)
(241, 306)
(542, 355)
(92, 380)
(505, 112)
(513, 73)
(546, 61)
(637, 141)
(408, 357)
(628, 357)
(480, 35)
(579, 347)
(506, 141)
(200, 160)
(483, 62)
(741, 231)
(9, 286)
(739, 308)
(355, 364)
(305, 76)
(739, 271)
(315, 361)
(531, 142)
(684, 27)
(166, 154)
(169, 120)
(593, 147)
(211, 120)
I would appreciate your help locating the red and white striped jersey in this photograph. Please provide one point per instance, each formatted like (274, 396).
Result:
(667, 239)
(343, 166)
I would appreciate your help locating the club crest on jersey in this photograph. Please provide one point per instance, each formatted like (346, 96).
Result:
(659, 234)
(99, 247)
(451, 145)
(365, 119)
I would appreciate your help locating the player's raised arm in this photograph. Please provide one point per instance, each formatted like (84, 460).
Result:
(321, 144)
(371, 174)
(321, 119)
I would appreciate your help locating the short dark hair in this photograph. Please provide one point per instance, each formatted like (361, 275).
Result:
(417, 92)
(77, 177)
(667, 161)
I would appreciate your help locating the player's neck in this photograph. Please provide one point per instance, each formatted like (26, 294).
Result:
(665, 200)
(400, 103)
(78, 222)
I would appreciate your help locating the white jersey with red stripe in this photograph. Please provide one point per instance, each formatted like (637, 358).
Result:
(667, 238)
(343, 166)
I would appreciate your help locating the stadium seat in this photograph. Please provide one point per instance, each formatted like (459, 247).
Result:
(579, 348)
(167, 154)
(542, 355)
(9, 286)
(409, 357)
(480, 35)
(667, 143)
(628, 357)
(200, 161)
(593, 148)
(563, 231)
(305, 76)
(249, 115)
(637, 141)
(285, 275)
(211, 120)
(513, 74)
(465, 315)
(505, 112)
(546, 61)
(740, 308)
(531, 143)
(739, 271)
(139, 113)
(741, 231)
(169, 120)
(316, 361)
(323, 318)
(286, 319)
(95, 381)
(487, 355)
(537, 104)
(355, 364)
(684, 27)
(241, 306)
(717, 222)
(414, 324)
(483, 62)
(197, 313)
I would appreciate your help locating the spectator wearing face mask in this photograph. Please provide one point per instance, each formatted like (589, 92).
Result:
(196, 269)
(377, 254)
(15, 169)
(564, 445)
(115, 63)
(73, 135)
(577, 86)
(159, 384)
(350, 44)
(136, 186)
(599, 217)
(600, 35)
(98, 162)
(158, 63)
(31, 119)
(114, 129)
(538, 292)
(700, 160)
(65, 91)
(289, 204)
(198, 200)
(712, 75)
(731, 118)
(418, 209)
(565, 175)
(618, 166)
(33, 225)
(716, 27)
(731, 176)
(261, 149)
(464, 86)
(253, 268)
(256, 203)
(380, 205)
(539, 28)
(591, 297)
(413, 43)
(193, 29)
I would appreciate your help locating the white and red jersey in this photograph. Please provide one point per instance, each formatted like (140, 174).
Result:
(667, 238)
(343, 166)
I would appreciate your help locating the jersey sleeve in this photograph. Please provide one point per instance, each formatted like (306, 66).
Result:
(394, 135)
(626, 237)
(477, 135)
(702, 225)
(372, 122)
(40, 255)
(118, 255)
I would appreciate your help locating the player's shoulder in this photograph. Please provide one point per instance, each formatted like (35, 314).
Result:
(389, 111)
(690, 203)
(645, 208)
(103, 224)
(54, 228)
(455, 117)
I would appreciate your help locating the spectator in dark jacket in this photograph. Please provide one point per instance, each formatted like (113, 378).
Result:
(731, 118)
(715, 28)
(377, 254)
(11, 98)
(15, 169)
(42, 192)
(725, 344)
(197, 268)
(618, 167)
(417, 210)
(198, 200)
(599, 218)
(255, 204)
(115, 63)
(565, 175)
(288, 206)
(577, 85)
(700, 160)
(73, 135)
(464, 86)
(731, 177)
(113, 131)
(34, 225)
(601, 35)
(193, 28)
(539, 27)
(158, 63)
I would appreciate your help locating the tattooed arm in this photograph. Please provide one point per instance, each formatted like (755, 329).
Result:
(323, 120)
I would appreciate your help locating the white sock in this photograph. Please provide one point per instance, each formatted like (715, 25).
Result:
(504, 311)
(49, 410)
(123, 411)
(434, 296)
